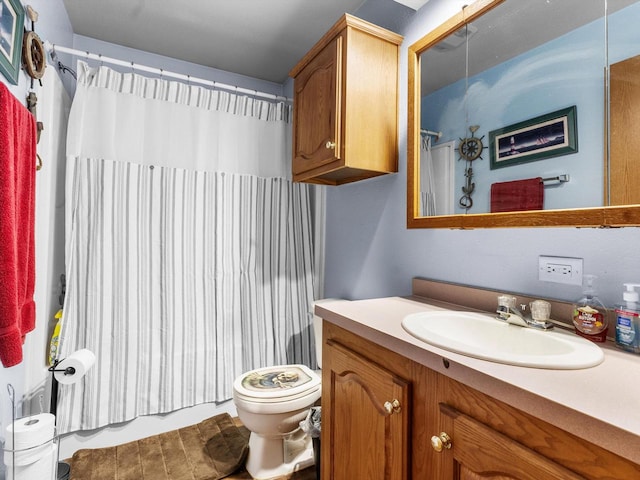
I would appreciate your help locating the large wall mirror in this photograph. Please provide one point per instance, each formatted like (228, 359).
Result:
(524, 113)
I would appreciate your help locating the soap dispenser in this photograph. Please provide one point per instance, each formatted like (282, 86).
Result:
(628, 320)
(589, 313)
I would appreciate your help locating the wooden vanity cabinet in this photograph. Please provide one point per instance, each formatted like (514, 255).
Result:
(345, 108)
(488, 438)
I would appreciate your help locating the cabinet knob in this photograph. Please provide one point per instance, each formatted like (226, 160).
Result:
(392, 406)
(440, 442)
(330, 145)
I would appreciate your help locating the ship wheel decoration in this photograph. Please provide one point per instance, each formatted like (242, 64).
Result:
(33, 53)
(470, 149)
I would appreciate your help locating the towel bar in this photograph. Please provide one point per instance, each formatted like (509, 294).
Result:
(556, 180)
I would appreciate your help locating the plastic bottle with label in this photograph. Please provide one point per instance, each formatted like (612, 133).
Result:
(590, 314)
(628, 320)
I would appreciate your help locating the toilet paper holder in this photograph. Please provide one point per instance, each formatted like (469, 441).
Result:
(79, 362)
(67, 371)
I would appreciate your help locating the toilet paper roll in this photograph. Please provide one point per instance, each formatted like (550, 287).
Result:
(74, 366)
(42, 469)
(29, 432)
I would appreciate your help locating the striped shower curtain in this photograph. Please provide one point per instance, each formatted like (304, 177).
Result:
(188, 250)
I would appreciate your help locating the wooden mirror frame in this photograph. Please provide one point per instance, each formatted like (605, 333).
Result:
(617, 216)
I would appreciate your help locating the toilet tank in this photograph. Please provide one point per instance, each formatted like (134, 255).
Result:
(317, 329)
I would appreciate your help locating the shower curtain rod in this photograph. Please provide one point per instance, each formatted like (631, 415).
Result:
(52, 49)
(432, 133)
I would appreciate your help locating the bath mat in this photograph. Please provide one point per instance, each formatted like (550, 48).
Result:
(209, 450)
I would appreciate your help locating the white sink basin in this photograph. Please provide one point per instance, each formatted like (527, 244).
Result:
(483, 336)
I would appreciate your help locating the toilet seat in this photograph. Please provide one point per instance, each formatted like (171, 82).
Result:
(276, 389)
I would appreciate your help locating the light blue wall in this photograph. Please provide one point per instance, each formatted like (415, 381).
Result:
(371, 253)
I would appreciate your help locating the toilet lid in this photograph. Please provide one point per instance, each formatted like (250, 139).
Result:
(277, 382)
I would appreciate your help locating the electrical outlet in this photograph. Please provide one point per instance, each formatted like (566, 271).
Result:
(566, 270)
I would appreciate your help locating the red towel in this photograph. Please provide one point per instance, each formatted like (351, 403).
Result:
(17, 225)
(517, 195)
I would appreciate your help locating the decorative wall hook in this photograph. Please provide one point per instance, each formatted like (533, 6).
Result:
(470, 149)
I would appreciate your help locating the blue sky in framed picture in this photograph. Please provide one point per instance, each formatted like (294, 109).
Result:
(7, 27)
(11, 31)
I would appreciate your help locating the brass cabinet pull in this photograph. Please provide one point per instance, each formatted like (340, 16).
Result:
(393, 406)
(330, 145)
(440, 442)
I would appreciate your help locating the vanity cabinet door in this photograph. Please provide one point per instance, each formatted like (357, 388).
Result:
(475, 451)
(365, 429)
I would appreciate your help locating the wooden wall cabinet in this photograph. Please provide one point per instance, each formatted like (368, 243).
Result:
(345, 109)
(488, 438)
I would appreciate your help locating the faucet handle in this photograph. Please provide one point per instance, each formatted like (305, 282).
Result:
(507, 301)
(523, 307)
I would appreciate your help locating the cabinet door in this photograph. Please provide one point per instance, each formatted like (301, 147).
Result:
(476, 452)
(365, 411)
(625, 111)
(316, 123)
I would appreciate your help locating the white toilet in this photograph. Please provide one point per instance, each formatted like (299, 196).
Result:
(271, 402)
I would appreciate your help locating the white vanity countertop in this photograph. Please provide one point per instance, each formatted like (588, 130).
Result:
(600, 404)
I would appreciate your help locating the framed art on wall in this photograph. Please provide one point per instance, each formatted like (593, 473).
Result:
(541, 137)
(11, 32)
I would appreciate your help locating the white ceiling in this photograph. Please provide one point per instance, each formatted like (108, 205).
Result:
(258, 38)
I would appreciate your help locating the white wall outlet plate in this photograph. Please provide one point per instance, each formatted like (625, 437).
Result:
(567, 270)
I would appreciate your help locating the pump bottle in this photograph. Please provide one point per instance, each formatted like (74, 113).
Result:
(590, 314)
(628, 320)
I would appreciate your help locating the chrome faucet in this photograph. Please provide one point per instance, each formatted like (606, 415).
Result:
(517, 317)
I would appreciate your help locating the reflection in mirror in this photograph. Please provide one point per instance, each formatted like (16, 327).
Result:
(513, 108)
(624, 115)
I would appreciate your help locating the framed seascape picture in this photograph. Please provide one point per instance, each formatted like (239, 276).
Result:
(11, 32)
(541, 137)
